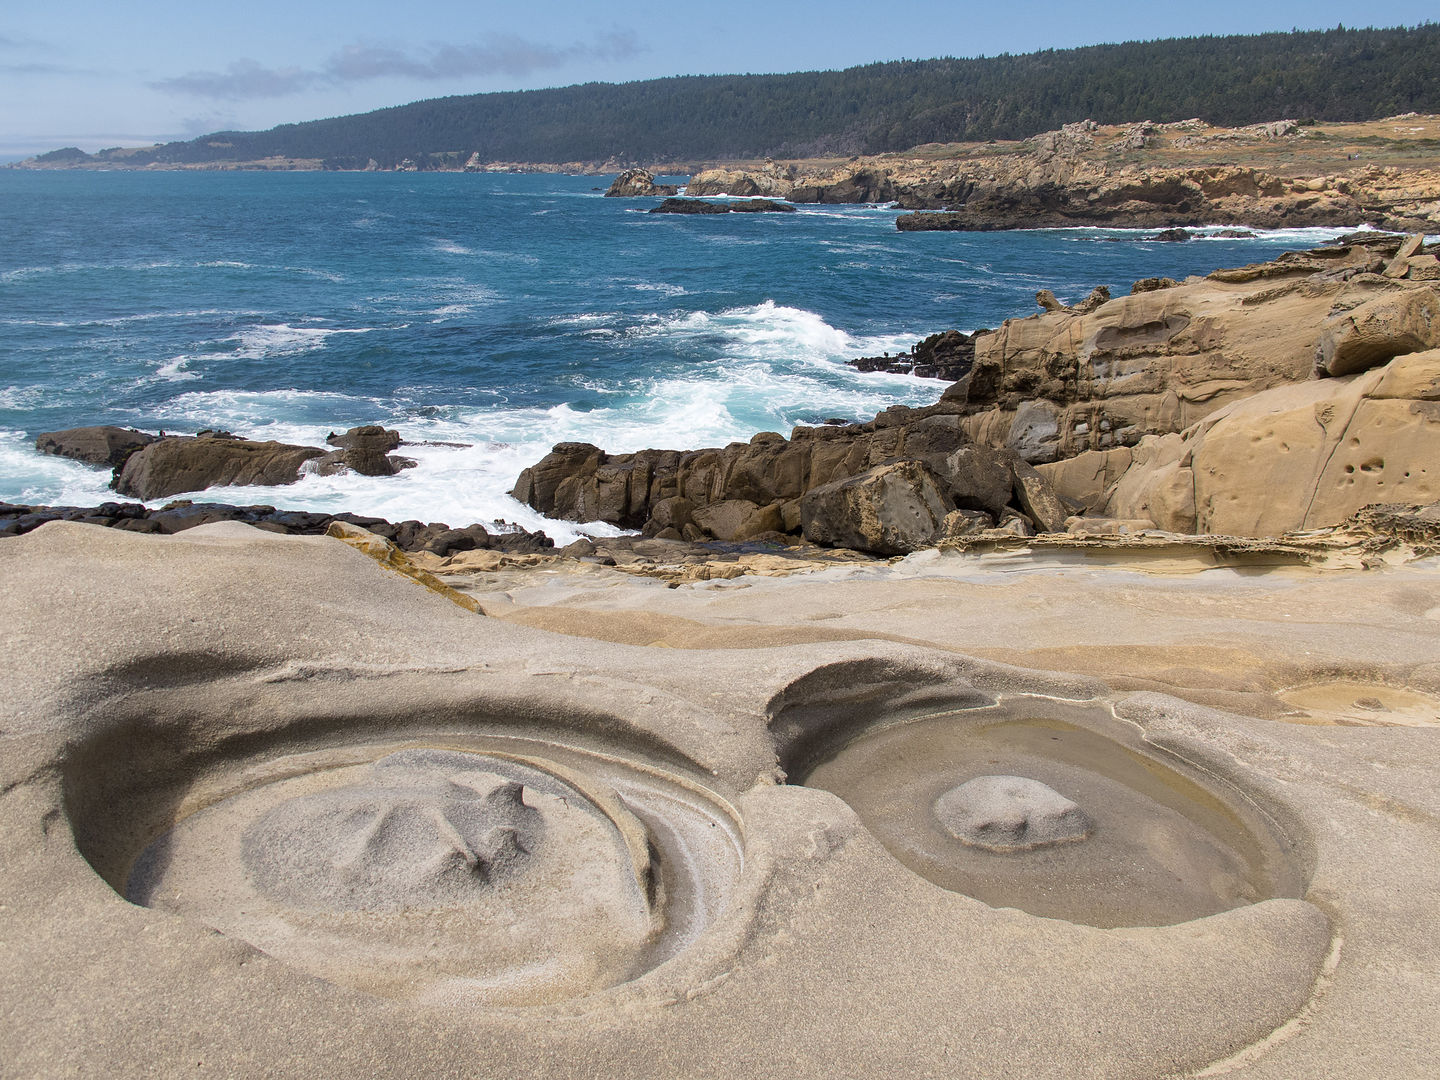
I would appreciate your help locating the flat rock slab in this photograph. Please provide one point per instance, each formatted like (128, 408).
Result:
(147, 679)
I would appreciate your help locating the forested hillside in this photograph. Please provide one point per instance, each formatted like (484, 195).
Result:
(1340, 74)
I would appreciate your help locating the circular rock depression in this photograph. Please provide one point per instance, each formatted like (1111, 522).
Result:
(451, 876)
(1060, 811)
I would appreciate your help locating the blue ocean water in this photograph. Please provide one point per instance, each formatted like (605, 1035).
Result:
(504, 312)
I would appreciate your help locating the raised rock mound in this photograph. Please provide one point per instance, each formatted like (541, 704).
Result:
(181, 463)
(635, 183)
(1010, 813)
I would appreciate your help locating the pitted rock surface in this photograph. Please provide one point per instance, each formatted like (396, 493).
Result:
(431, 828)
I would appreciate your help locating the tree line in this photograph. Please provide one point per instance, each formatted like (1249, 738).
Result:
(1328, 75)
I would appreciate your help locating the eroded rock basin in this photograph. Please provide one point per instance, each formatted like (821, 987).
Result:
(467, 871)
(1060, 810)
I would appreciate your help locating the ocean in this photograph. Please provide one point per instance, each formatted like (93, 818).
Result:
(487, 315)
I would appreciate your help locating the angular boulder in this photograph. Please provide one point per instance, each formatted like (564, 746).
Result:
(888, 510)
(1377, 331)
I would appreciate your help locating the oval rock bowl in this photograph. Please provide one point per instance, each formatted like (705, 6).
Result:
(455, 870)
(1058, 809)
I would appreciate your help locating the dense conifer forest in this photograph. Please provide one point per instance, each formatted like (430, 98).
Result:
(1335, 75)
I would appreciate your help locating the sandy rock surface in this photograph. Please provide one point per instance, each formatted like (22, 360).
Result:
(150, 681)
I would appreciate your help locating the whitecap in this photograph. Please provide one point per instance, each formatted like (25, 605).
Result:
(282, 339)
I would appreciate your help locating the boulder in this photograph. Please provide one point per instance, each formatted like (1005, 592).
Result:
(888, 510)
(1038, 499)
(1376, 331)
(178, 464)
(1086, 477)
(634, 183)
(737, 519)
(366, 437)
(979, 478)
(102, 445)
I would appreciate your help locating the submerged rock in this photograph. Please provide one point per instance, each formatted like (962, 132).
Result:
(1009, 814)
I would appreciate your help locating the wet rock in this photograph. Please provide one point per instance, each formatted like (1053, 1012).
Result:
(700, 206)
(1010, 814)
(100, 445)
(178, 464)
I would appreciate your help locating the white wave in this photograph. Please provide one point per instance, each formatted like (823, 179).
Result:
(32, 478)
(450, 247)
(175, 369)
(23, 397)
(663, 288)
(282, 339)
(286, 415)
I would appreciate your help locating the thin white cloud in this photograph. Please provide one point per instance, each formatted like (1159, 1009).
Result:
(499, 54)
(242, 80)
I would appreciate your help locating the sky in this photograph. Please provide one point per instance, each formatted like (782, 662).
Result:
(97, 73)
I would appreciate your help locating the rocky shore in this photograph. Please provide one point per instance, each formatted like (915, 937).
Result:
(1142, 175)
(1253, 402)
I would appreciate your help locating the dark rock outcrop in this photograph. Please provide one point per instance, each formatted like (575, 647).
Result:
(101, 445)
(183, 463)
(157, 466)
(948, 355)
(876, 478)
(638, 183)
(364, 450)
(412, 536)
(700, 206)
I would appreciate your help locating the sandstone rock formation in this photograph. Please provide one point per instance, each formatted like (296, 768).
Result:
(1298, 456)
(633, 183)
(1149, 407)
(1087, 175)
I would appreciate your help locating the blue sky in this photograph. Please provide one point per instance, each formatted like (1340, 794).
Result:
(91, 74)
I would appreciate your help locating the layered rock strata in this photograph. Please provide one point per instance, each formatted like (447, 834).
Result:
(1088, 175)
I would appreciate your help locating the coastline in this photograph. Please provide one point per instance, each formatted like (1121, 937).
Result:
(1250, 720)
